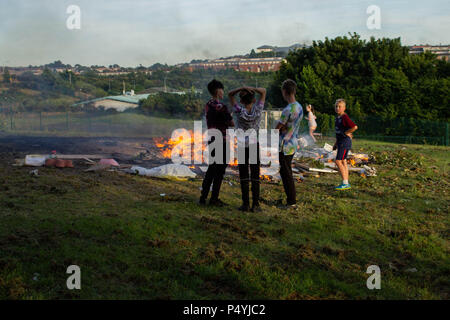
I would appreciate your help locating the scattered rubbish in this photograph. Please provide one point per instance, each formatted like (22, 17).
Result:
(89, 160)
(168, 170)
(368, 171)
(59, 163)
(162, 194)
(269, 171)
(35, 160)
(82, 156)
(411, 270)
(50, 162)
(305, 141)
(36, 276)
(391, 266)
(98, 167)
(323, 170)
(328, 147)
(34, 172)
(231, 171)
(111, 162)
(19, 163)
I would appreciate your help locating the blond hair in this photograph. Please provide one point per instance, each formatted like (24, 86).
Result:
(339, 101)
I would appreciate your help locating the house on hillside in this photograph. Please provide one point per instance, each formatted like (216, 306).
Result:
(128, 100)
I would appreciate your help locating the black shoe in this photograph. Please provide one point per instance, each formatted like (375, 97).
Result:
(256, 208)
(217, 203)
(244, 208)
(202, 201)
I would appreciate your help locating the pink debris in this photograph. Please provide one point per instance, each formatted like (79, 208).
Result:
(110, 162)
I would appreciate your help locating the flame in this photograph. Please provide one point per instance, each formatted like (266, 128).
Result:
(166, 147)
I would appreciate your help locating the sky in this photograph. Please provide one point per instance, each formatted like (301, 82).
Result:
(134, 32)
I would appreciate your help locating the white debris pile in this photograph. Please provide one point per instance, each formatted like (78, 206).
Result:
(323, 154)
(165, 171)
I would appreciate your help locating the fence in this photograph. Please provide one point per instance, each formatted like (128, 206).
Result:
(88, 124)
(401, 130)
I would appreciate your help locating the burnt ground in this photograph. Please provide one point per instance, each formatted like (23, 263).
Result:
(124, 150)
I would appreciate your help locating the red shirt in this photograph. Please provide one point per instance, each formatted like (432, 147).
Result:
(342, 124)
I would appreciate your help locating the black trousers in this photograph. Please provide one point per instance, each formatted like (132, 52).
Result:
(254, 177)
(287, 178)
(214, 175)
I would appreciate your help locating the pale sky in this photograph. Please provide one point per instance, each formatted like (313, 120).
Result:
(144, 32)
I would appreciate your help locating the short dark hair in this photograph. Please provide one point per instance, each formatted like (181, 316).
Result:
(247, 96)
(289, 86)
(214, 85)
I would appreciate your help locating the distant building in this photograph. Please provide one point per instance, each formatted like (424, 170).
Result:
(240, 64)
(120, 103)
(280, 50)
(442, 52)
(265, 49)
(128, 100)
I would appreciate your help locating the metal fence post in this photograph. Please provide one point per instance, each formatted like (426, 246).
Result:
(446, 135)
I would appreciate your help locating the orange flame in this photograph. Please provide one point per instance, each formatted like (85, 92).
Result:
(166, 147)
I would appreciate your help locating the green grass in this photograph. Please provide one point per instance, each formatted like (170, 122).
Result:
(85, 125)
(132, 243)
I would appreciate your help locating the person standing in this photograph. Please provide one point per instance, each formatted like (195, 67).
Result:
(217, 117)
(248, 117)
(289, 125)
(312, 124)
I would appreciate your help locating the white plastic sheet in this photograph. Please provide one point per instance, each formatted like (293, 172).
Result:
(35, 160)
(168, 170)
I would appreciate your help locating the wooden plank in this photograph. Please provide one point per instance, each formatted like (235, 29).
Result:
(83, 156)
(322, 170)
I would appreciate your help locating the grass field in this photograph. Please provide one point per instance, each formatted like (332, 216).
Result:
(130, 242)
(79, 124)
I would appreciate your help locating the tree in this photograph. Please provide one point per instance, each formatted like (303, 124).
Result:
(376, 77)
(6, 76)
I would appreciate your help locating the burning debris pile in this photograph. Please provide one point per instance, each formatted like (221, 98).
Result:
(153, 157)
(322, 160)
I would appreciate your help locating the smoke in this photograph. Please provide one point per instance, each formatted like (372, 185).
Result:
(150, 31)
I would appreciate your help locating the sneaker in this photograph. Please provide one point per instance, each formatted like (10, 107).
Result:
(217, 203)
(244, 208)
(202, 201)
(343, 187)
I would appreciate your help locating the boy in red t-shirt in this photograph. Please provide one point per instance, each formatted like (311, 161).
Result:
(344, 134)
